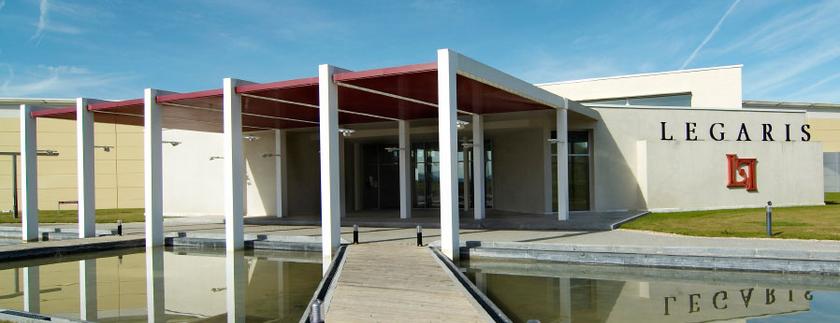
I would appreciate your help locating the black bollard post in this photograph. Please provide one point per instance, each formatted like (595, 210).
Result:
(119, 227)
(769, 219)
(355, 234)
(419, 236)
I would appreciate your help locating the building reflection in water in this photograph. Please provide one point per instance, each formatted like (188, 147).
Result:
(574, 293)
(161, 285)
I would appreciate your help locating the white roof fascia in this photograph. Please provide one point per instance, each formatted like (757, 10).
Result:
(483, 73)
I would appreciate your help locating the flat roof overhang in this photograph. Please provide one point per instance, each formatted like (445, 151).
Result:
(396, 93)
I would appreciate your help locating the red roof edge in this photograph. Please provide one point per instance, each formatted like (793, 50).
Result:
(53, 112)
(112, 105)
(388, 71)
(191, 95)
(247, 88)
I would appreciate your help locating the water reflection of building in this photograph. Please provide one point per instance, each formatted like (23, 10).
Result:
(267, 286)
(524, 294)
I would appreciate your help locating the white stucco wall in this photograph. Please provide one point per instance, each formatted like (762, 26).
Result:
(716, 87)
(192, 183)
(635, 169)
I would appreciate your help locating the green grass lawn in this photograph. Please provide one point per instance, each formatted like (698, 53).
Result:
(71, 216)
(805, 222)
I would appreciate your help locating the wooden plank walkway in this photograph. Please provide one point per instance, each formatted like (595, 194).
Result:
(398, 283)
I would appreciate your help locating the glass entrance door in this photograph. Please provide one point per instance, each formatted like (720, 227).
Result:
(426, 163)
(426, 158)
(580, 154)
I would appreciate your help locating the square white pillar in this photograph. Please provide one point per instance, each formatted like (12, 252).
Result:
(234, 165)
(29, 174)
(405, 169)
(447, 67)
(564, 296)
(155, 288)
(236, 281)
(562, 166)
(330, 176)
(85, 169)
(152, 168)
(479, 205)
(88, 309)
(281, 193)
(32, 289)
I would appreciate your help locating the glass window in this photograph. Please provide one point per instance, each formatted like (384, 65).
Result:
(681, 100)
(579, 159)
(669, 100)
(610, 101)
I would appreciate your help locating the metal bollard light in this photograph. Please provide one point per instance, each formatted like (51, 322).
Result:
(419, 236)
(769, 215)
(315, 314)
(355, 234)
(119, 227)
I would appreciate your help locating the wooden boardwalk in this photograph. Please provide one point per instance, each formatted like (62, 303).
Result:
(398, 283)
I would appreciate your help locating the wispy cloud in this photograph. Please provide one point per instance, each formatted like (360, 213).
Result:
(2, 4)
(711, 34)
(816, 86)
(542, 67)
(43, 18)
(784, 71)
(60, 81)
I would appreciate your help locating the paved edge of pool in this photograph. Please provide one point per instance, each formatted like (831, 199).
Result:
(55, 248)
(719, 258)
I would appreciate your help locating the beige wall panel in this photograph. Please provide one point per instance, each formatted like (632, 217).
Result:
(826, 131)
(710, 88)
(57, 175)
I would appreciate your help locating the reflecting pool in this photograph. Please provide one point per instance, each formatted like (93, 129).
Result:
(551, 292)
(165, 285)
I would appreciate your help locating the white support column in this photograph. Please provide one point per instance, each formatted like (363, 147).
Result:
(562, 166)
(32, 289)
(234, 166)
(85, 169)
(155, 288)
(235, 284)
(87, 290)
(152, 168)
(29, 172)
(330, 182)
(447, 62)
(478, 167)
(565, 299)
(281, 161)
(405, 169)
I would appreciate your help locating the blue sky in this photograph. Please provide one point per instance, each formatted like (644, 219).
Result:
(114, 49)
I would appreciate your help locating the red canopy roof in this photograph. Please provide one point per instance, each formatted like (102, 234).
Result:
(404, 92)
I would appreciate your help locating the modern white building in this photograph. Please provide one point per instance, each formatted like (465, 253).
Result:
(452, 135)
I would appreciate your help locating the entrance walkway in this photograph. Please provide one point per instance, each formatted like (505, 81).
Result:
(398, 283)
(430, 218)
